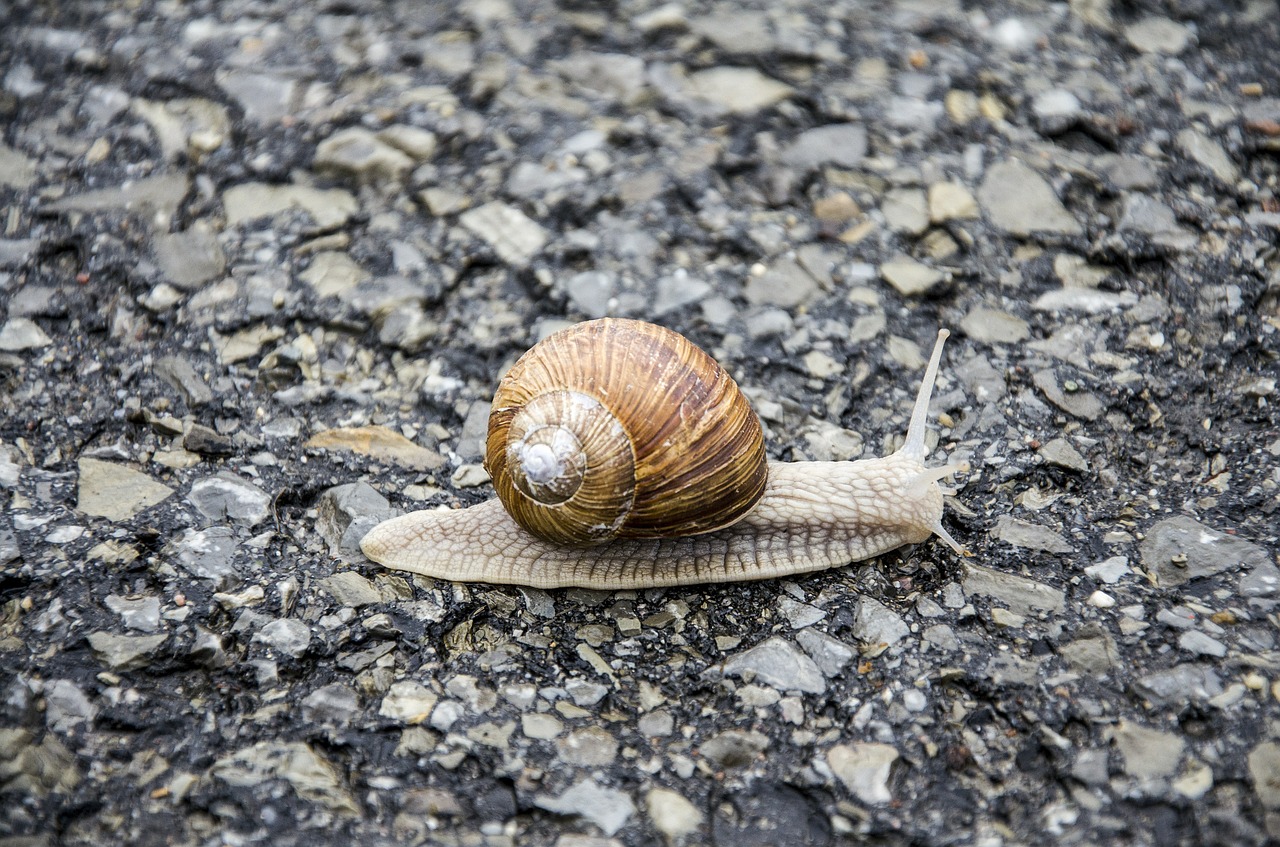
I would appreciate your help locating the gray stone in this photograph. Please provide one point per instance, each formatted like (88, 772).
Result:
(777, 662)
(1195, 641)
(157, 197)
(116, 492)
(1181, 549)
(336, 704)
(909, 277)
(590, 746)
(733, 748)
(1262, 581)
(1157, 35)
(1087, 300)
(189, 259)
(351, 589)
(1029, 536)
(994, 326)
(784, 283)
(125, 652)
(17, 170)
(874, 623)
(1061, 452)
(797, 614)
(1209, 153)
(842, 145)
(830, 654)
(140, 613)
(357, 153)
(738, 91)
(512, 235)
(20, 334)
(345, 513)
(1181, 684)
(671, 814)
(408, 702)
(66, 706)
(178, 372)
(207, 554)
(226, 496)
(287, 635)
(864, 769)
(1082, 404)
(1019, 201)
(1109, 571)
(1094, 654)
(607, 808)
(676, 291)
(1021, 595)
(14, 253)
(1264, 771)
(592, 292)
(906, 210)
(309, 774)
(1147, 215)
(1148, 753)
(265, 98)
(329, 208)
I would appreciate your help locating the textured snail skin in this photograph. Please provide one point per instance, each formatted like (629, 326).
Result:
(813, 515)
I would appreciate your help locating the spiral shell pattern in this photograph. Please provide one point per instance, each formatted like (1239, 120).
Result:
(622, 429)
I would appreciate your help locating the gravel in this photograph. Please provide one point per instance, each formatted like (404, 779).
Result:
(263, 262)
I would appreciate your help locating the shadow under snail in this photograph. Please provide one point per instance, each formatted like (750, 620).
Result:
(625, 457)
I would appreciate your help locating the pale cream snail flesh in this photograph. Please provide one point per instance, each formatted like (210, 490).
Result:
(760, 519)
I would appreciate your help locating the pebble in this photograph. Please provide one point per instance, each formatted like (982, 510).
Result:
(310, 774)
(1022, 595)
(778, 663)
(909, 277)
(512, 234)
(1194, 641)
(672, 815)
(734, 748)
(329, 208)
(842, 145)
(125, 652)
(906, 210)
(377, 442)
(784, 284)
(1110, 571)
(1209, 153)
(20, 334)
(288, 635)
(1147, 753)
(994, 326)
(1019, 201)
(140, 613)
(735, 90)
(874, 623)
(830, 654)
(1029, 536)
(66, 706)
(1181, 549)
(189, 258)
(226, 496)
(116, 492)
(207, 554)
(864, 769)
(357, 153)
(607, 808)
(1157, 35)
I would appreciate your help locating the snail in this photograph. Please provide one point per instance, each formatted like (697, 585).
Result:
(625, 457)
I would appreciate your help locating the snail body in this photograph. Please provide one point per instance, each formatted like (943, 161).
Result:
(764, 519)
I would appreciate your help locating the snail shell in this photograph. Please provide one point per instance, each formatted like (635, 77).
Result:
(617, 428)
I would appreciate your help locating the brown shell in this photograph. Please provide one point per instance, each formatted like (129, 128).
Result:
(620, 428)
